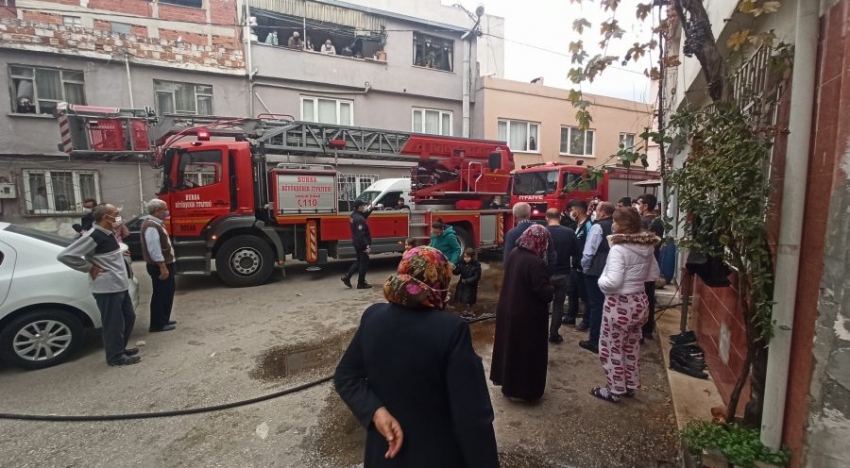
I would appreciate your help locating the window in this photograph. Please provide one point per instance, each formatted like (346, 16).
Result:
(328, 111)
(121, 28)
(352, 185)
(573, 182)
(535, 183)
(627, 140)
(183, 98)
(432, 122)
(521, 136)
(433, 52)
(38, 90)
(198, 169)
(186, 3)
(72, 21)
(576, 142)
(49, 192)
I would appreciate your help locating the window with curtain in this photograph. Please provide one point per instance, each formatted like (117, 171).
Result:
(432, 122)
(576, 142)
(627, 140)
(59, 192)
(521, 136)
(327, 111)
(38, 90)
(183, 98)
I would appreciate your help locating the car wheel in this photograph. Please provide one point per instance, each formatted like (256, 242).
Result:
(244, 261)
(40, 338)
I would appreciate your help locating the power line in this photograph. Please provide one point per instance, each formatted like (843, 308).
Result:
(554, 52)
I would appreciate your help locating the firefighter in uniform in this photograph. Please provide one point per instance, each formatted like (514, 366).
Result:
(362, 240)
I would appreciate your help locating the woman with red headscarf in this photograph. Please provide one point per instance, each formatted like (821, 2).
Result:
(411, 377)
(520, 352)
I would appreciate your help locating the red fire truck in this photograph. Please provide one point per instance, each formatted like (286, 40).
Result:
(555, 185)
(229, 206)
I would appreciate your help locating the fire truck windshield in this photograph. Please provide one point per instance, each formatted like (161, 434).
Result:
(536, 183)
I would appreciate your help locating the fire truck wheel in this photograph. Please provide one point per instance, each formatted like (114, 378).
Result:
(244, 261)
(464, 237)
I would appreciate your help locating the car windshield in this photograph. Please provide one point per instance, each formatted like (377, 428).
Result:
(40, 235)
(369, 196)
(535, 183)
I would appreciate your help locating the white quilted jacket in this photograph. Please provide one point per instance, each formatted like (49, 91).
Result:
(631, 262)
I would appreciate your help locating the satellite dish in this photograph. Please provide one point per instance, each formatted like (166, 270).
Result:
(479, 11)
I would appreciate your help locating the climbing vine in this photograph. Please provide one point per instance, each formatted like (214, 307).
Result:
(723, 188)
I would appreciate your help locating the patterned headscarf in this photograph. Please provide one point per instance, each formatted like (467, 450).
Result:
(422, 280)
(535, 239)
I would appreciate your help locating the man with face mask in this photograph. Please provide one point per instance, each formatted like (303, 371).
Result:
(159, 259)
(99, 255)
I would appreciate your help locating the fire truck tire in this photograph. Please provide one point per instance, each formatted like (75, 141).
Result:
(464, 237)
(244, 261)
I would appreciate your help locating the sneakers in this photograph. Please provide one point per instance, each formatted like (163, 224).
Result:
(346, 281)
(125, 360)
(364, 286)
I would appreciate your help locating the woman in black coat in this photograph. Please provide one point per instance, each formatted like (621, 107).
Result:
(520, 352)
(411, 377)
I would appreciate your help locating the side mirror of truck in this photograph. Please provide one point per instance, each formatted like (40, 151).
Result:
(379, 206)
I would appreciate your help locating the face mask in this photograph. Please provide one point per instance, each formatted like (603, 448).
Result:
(636, 207)
(117, 221)
(165, 215)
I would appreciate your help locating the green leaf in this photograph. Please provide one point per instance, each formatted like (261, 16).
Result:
(580, 24)
(643, 10)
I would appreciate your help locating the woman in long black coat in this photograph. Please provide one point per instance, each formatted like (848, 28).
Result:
(520, 352)
(411, 377)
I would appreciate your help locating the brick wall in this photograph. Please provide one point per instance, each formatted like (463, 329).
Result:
(42, 17)
(186, 37)
(830, 137)
(187, 14)
(103, 43)
(130, 7)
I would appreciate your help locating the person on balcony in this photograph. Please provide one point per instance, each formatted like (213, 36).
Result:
(271, 39)
(328, 48)
(295, 41)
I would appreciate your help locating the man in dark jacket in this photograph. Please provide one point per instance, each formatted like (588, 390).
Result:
(566, 247)
(646, 204)
(362, 241)
(593, 262)
(578, 211)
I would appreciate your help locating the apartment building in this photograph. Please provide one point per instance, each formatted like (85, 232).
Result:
(539, 124)
(390, 70)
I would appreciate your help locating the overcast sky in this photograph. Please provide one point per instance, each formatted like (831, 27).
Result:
(531, 25)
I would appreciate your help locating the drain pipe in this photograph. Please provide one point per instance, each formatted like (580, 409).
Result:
(249, 65)
(466, 52)
(133, 106)
(791, 229)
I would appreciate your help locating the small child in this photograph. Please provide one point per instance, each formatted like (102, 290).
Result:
(409, 243)
(467, 288)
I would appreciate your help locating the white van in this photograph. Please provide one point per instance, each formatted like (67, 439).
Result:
(384, 193)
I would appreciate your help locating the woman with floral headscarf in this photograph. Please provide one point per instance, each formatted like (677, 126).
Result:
(411, 377)
(520, 353)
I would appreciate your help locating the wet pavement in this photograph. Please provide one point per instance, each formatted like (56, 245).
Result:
(238, 344)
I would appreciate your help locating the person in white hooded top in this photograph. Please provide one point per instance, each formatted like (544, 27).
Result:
(631, 262)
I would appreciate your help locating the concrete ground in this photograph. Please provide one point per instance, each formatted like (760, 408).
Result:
(234, 344)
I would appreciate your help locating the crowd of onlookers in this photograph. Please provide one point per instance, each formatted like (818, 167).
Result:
(353, 49)
(410, 372)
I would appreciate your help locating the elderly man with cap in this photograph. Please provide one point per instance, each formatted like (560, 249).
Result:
(362, 240)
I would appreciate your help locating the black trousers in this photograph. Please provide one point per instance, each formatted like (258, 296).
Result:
(117, 318)
(595, 303)
(360, 266)
(649, 326)
(578, 290)
(162, 299)
(562, 285)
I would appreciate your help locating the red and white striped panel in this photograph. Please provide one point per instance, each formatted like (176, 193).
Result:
(64, 127)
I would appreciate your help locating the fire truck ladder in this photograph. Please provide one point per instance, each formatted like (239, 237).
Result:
(295, 138)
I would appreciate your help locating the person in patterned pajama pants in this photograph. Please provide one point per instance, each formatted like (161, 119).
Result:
(631, 263)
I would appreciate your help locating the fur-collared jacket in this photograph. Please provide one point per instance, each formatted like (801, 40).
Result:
(631, 262)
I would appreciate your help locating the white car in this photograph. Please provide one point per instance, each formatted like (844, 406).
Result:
(45, 307)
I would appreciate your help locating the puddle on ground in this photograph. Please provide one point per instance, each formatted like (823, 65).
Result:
(280, 362)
